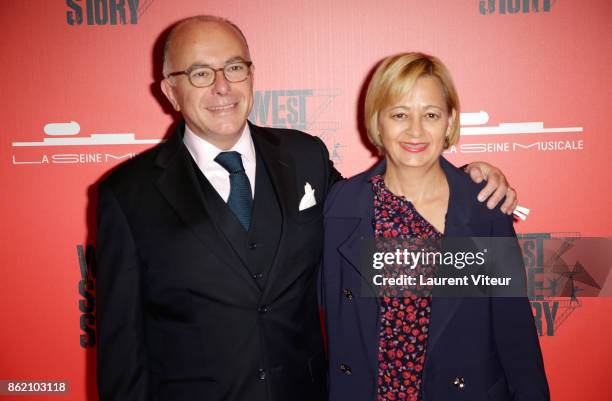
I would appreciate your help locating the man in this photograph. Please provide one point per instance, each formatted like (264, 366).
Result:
(204, 291)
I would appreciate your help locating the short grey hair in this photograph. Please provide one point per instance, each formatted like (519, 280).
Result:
(197, 18)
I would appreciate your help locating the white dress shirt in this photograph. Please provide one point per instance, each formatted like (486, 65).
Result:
(204, 153)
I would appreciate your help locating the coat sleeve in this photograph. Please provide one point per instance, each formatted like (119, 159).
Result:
(514, 329)
(333, 175)
(122, 365)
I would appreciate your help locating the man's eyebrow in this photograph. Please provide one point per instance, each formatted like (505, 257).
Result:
(234, 59)
(228, 61)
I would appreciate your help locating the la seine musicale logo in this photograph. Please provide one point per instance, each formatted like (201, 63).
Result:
(519, 134)
(62, 144)
(105, 12)
(514, 6)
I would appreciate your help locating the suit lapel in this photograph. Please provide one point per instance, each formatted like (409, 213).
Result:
(179, 185)
(280, 166)
(281, 169)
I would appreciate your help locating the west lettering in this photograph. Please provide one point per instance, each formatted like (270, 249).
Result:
(280, 109)
(292, 113)
(276, 120)
(261, 104)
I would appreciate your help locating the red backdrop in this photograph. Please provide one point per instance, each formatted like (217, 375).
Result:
(89, 68)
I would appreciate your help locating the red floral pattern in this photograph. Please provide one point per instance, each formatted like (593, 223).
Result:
(404, 320)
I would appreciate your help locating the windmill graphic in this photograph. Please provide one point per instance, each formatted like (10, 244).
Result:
(568, 281)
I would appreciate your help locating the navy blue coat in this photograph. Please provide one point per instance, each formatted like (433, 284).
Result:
(478, 348)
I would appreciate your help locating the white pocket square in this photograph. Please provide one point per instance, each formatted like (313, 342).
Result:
(308, 200)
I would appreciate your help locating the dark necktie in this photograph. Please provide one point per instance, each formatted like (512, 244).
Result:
(240, 199)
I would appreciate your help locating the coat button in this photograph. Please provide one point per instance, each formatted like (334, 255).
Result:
(258, 276)
(459, 382)
(263, 309)
(261, 373)
(348, 294)
(346, 369)
(252, 245)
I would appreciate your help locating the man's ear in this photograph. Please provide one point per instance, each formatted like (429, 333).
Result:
(168, 90)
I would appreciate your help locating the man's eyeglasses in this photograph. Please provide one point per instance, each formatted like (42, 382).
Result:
(202, 76)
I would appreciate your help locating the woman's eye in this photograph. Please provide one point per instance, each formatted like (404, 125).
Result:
(432, 116)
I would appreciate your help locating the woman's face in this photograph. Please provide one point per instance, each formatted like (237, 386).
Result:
(413, 129)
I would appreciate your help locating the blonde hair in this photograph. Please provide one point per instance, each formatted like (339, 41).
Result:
(394, 79)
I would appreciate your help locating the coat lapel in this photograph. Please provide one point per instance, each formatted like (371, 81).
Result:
(351, 249)
(360, 229)
(179, 185)
(457, 218)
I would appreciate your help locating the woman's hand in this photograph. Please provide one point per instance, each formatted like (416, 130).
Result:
(497, 186)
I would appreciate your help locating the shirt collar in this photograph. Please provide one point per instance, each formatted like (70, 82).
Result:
(204, 152)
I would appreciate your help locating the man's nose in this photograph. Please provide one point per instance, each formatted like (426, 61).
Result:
(221, 85)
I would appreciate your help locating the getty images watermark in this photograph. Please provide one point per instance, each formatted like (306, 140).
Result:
(484, 267)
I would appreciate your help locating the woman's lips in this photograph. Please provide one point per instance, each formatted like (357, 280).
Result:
(414, 147)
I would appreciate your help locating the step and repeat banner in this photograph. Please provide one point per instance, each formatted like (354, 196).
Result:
(80, 84)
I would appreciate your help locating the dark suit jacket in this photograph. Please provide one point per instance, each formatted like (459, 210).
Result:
(179, 315)
(488, 343)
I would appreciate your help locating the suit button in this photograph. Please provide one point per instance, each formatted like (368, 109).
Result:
(346, 369)
(348, 294)
(263, 309)
(252, 245)
(459, 382)
(258, 276)
(261, 374)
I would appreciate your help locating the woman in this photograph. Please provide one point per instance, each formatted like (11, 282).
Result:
(418, 347)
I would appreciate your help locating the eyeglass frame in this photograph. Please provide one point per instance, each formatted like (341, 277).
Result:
(189, 70)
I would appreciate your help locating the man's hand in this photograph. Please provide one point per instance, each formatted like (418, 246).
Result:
(497, 186)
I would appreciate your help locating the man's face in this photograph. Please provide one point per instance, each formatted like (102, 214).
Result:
(216, 113)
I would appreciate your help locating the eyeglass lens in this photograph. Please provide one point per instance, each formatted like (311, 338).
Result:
(205, 76)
